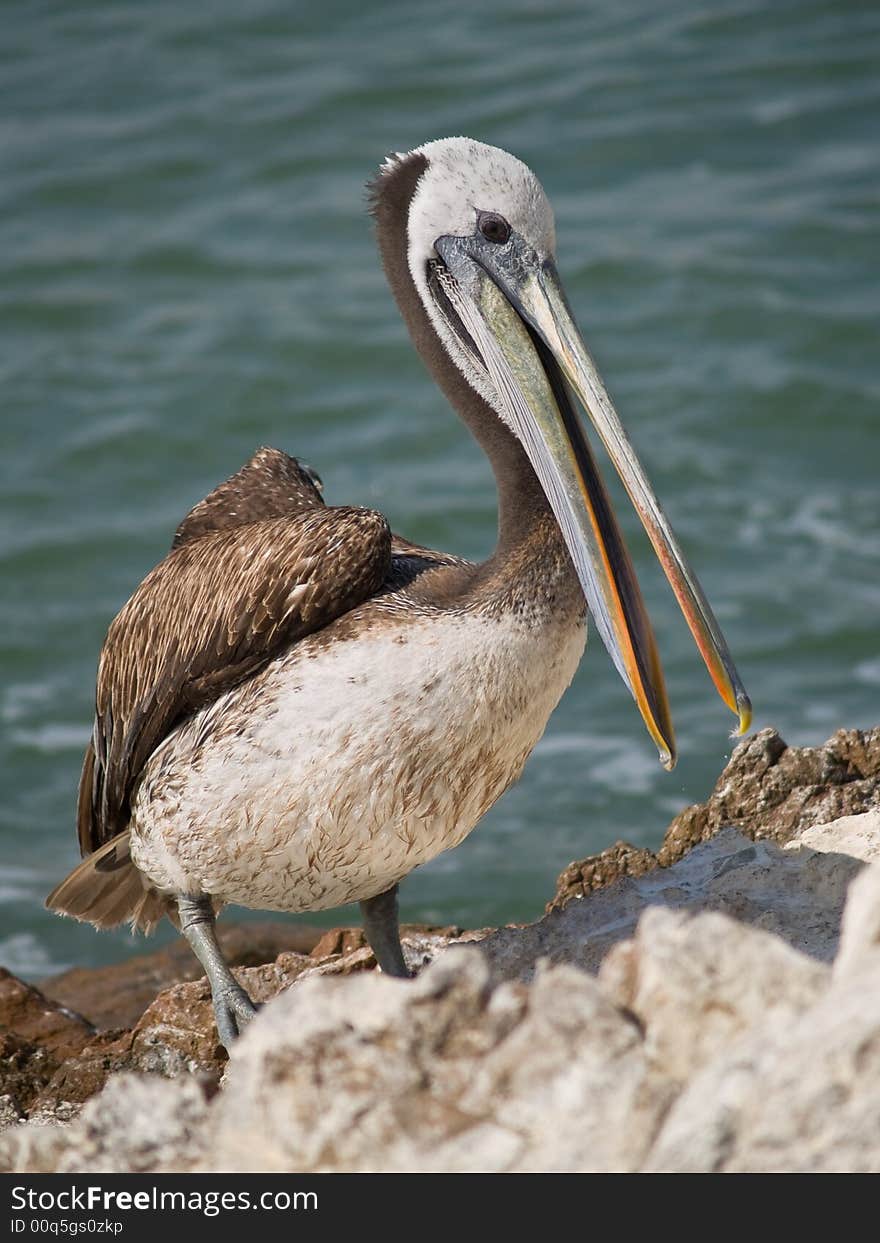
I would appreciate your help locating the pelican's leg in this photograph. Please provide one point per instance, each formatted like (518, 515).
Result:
(383, 932)
(233, 1009)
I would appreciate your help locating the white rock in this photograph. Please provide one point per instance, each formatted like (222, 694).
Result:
(439, 1074)
(696, 982)
(855, 836)
(137, 1124)
(790, 1095)
(798, 895)
(860, 930)
(713, 1038)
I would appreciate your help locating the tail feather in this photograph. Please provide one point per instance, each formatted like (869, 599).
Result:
(106, 890)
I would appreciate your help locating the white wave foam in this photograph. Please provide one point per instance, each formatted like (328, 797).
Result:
(24, 956)
(52, 737)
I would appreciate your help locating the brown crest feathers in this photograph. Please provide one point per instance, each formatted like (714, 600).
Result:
(395, 180)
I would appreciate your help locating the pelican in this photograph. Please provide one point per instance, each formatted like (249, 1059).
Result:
(297, 707)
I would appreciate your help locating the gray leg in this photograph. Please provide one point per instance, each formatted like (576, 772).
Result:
(383, 932)
(233, 1008)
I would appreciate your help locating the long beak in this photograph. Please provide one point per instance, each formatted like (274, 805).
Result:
(519, 320)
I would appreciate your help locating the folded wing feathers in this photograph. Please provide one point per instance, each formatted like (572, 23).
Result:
(210, 614)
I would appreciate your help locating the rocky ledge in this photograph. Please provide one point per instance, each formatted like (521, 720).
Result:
(713, 1006)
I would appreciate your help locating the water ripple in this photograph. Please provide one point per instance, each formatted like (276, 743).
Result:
(187, 271)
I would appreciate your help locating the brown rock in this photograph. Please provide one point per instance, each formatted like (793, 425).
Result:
(347, 940)
(175, 1035)
(117, 996)
(25, 1069)
(339, 941)
(10, 1111)
(32, 1016)
(597, 871)
(36, 1036)
(768, 790)
(52, 1060)
(771, 790)
(78, 1078)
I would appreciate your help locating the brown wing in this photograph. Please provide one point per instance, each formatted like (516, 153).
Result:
(270, 485)
(211, 614)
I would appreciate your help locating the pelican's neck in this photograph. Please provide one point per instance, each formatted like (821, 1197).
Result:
(523, 510)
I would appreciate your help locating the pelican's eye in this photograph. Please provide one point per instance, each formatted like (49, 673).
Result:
(493, 227)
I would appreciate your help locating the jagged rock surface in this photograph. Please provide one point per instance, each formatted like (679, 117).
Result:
(117, 995)
(52, 1060)
(443, 1074)
(768, 790)
(799, 1091)
(772, 790)
(705, 1015)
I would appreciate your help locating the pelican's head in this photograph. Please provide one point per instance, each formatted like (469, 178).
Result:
(480, 250)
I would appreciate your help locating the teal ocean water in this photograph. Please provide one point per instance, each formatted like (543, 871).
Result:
(187, 271)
